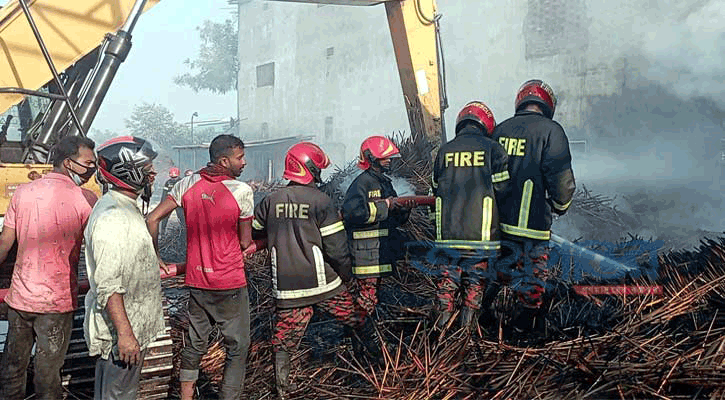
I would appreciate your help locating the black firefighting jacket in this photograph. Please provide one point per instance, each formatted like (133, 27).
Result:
(470, 174)
(374, 242)
(541, 176)
(307, 244)
(168, 186)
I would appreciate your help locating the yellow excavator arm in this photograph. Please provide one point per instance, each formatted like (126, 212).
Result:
(70, 29)
(413, 30)
(39, 39)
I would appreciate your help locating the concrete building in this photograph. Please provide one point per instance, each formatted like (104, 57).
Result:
(330, 71)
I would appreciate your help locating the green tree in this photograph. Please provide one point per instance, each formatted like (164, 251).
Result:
(216, 66)
(155, 122)
(102, 135)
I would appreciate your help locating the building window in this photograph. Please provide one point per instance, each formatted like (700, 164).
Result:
(328, 65)
(265, 75)
(265, 130)
(328, 128)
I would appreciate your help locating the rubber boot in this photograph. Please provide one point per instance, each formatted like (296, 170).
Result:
(524, 318)
(282, 367)
(366, 342)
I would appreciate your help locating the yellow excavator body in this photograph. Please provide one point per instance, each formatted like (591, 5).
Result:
(70, 29)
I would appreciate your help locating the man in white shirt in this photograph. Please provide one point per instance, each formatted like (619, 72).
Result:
(123, 306)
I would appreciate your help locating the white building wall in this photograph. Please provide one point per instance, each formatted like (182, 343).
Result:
(356, 86)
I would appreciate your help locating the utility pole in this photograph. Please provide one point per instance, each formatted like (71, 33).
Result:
(193, 150)
(195, 114)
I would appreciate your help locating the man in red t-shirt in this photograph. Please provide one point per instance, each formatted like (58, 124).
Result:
(218, 210)
(46, 217)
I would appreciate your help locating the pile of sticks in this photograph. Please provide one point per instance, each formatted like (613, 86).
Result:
(669, 347)
(608, 347)
(597, 208)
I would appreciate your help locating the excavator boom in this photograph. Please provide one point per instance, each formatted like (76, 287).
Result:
(413, 25)
(70, 29)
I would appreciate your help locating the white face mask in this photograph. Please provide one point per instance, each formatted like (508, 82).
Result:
(76, 179)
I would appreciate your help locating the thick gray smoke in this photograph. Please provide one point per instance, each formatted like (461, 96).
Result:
(688, 50)
(655, 144)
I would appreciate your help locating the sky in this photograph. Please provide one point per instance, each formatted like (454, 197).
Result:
(164, 37)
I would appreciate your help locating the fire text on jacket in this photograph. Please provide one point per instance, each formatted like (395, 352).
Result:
(513, 146)
(465, 158)
(291, 210)
(374, 194)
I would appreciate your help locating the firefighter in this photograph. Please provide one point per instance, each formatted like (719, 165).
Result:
(470, 175)
(542, 182)
(310, 258)
(372, 211)
(174, 177)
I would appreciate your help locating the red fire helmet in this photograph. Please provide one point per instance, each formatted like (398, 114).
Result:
(174, 172)
(304, 163)
(536, 91)
(479, 113)
(376, 147)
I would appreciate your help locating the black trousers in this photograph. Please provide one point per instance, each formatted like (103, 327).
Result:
(51, 334)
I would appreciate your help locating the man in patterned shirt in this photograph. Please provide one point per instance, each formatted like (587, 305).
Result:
(219, 212)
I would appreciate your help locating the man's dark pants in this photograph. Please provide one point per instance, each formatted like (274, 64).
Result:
(51, 333)
(230, 310)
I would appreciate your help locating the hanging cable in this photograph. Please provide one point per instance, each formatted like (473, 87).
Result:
(442, 88)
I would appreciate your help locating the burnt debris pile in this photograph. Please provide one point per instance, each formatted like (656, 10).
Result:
(649, 346)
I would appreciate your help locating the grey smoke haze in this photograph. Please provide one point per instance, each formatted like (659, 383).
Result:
(688, 50)
(655, 143)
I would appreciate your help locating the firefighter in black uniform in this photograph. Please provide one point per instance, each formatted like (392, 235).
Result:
(470, 175)
(542, 182)
(372, 213)
(174, 177)
(310, 258)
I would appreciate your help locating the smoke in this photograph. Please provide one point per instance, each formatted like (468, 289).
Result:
(657, 161)
(688, 50)
(655, 144)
